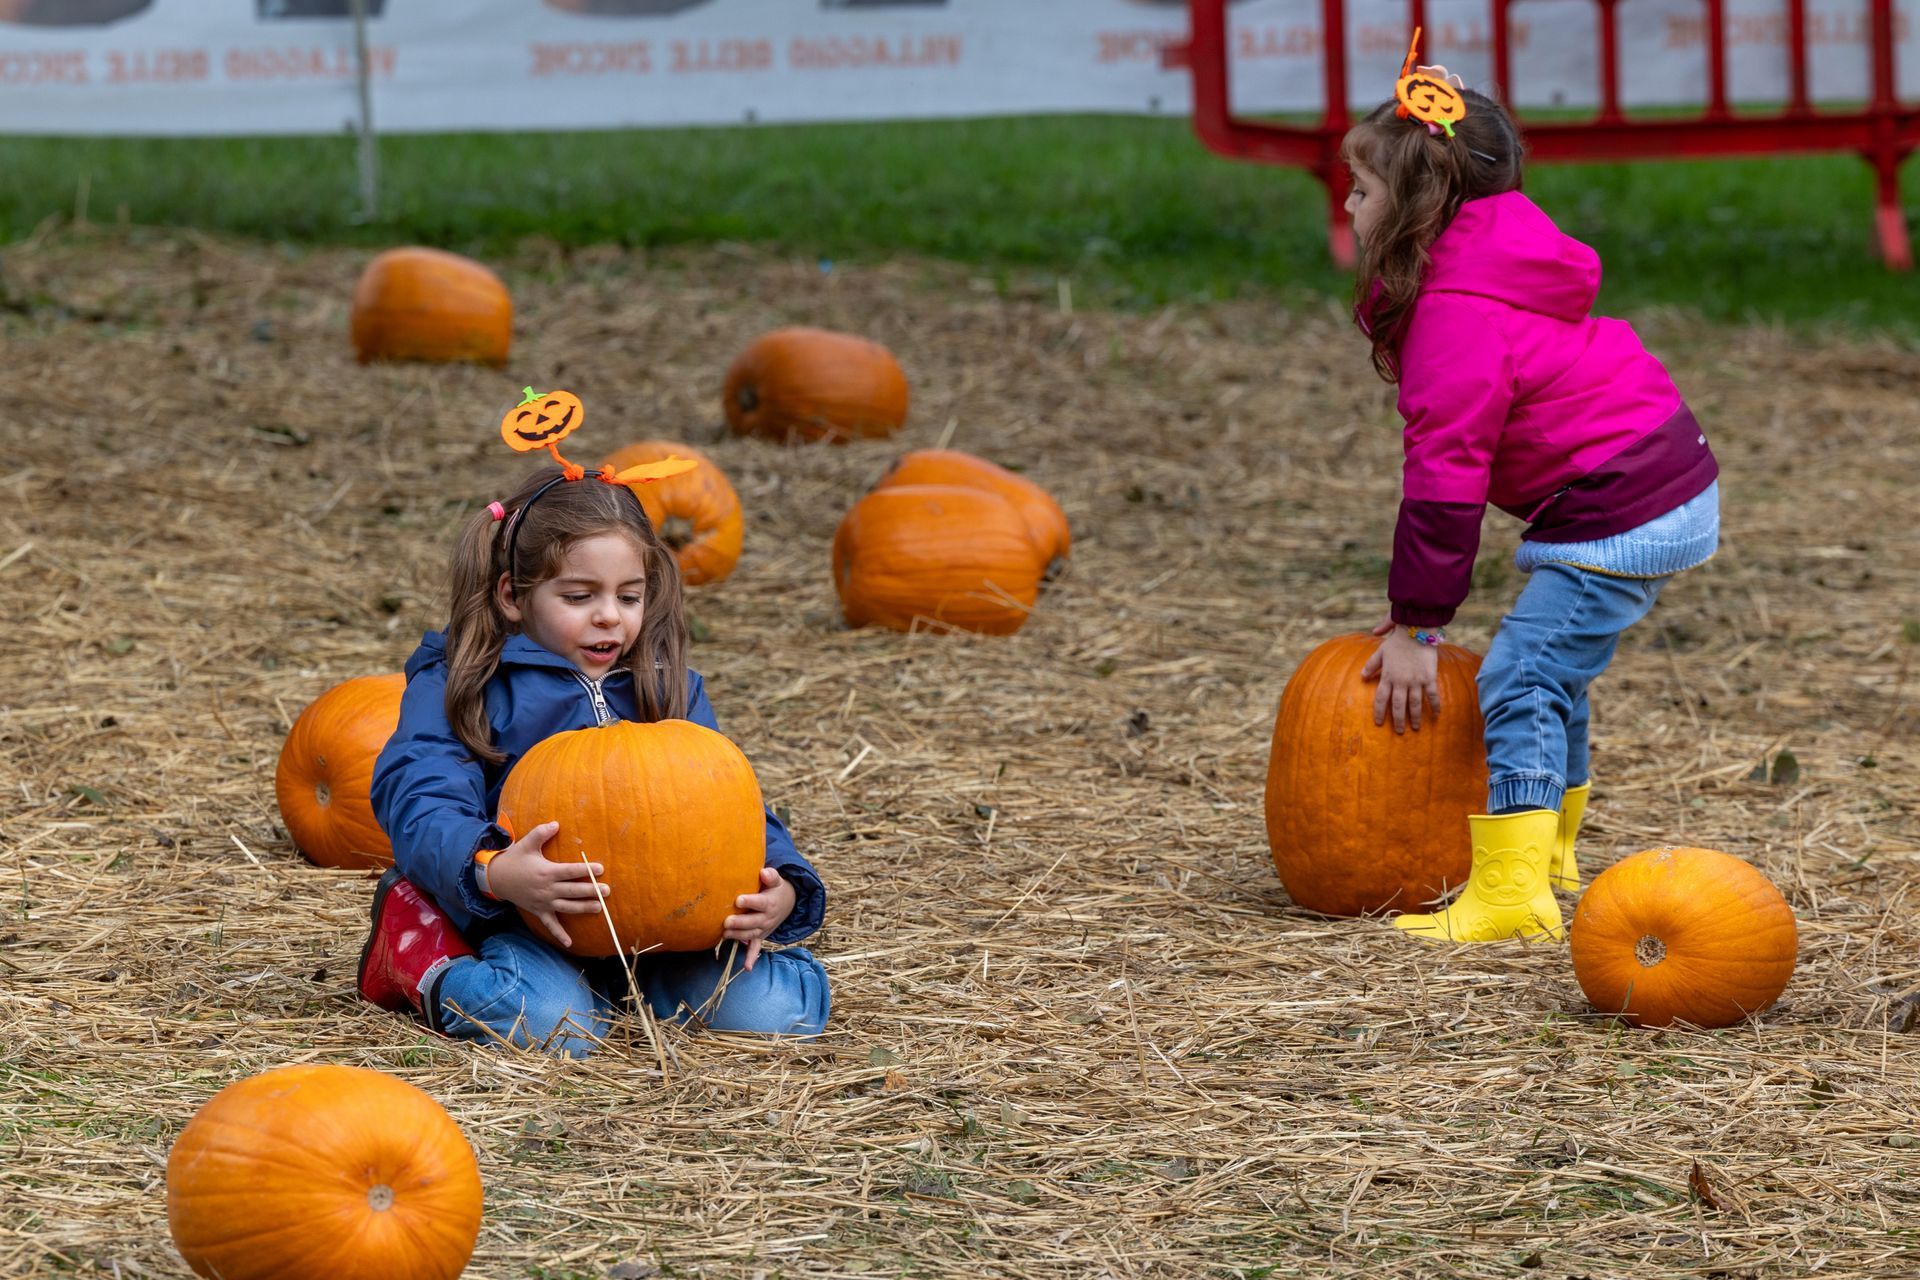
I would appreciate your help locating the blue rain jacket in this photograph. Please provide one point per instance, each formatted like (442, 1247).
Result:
(437, 803)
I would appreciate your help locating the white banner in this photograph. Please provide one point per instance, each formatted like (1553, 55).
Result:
(205, 67)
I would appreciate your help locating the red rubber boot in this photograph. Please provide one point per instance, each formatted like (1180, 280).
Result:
(411, 943)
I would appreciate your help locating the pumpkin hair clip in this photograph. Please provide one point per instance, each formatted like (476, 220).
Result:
(542, 420)
(1428, 94)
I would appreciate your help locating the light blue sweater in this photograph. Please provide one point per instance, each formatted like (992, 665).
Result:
(1681, 539)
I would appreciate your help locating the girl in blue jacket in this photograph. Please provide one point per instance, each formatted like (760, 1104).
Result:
(566, 613)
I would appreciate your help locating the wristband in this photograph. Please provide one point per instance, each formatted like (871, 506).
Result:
(481, 857)
(1427, 635)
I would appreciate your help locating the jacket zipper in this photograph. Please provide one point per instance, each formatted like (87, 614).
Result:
(601, 715)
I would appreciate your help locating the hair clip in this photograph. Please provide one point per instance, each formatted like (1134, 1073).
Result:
(1428, 94)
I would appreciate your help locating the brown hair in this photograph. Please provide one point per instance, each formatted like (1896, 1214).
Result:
(565, 514)
(1427, 178)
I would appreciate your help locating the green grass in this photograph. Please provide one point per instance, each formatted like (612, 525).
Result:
(1134, 210)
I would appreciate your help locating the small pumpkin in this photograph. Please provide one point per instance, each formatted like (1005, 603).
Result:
(672, 810)
(813, 384)
(1360, 818)
(696, 514)
(1047, 524)
(324, 780)
(1683, 935)
(322, 1172)
(916, 555)
(427, 304)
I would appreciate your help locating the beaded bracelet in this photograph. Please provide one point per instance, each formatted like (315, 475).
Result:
(1427, 635)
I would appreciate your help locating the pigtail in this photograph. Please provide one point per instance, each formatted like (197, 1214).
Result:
(475, 635)
(658, 659)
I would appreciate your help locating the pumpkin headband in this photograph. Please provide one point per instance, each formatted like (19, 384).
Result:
(541, 421)
(1432, 96)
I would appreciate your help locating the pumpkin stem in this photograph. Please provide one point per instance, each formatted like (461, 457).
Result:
(749, 401)
(1649, 951)
(527, 396)
(676, 531)
(380, 1197)
(322, 794)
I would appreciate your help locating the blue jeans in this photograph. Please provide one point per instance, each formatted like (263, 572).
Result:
(536, 996)
(1533, 682)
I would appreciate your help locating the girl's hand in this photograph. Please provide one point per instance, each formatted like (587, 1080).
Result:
(545, 890)
(1408, 672)
(760, 913)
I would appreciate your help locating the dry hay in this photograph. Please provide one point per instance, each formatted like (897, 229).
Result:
(1078, 1028)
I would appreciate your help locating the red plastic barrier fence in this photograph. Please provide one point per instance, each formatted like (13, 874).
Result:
(1884, 131)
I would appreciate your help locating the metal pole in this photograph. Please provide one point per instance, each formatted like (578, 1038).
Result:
(369, 144)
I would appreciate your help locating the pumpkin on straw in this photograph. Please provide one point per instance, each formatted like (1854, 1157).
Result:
(321, 1172)
(1046, 523)
(801, 384)
(1683, 935)
(324, 780)
(427, 304)
(937, 556)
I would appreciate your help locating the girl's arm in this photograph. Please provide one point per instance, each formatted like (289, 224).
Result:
(1456, 389)
(429, 795)
(810, 896)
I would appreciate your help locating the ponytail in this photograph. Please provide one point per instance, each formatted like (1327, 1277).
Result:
(476, 631)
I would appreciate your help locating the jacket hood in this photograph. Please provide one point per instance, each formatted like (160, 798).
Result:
(1504, 248)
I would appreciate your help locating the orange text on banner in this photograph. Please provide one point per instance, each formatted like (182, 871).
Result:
(44, 66)
(633, 57)
(833, 52)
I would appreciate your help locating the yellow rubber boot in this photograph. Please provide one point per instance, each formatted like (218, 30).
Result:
(1566, 872)
(1508, 894)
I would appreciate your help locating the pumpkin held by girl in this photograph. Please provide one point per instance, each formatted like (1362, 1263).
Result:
(325, 776)
(671, 809)
(319, 1172)
(1692, 935)
(1360, 818)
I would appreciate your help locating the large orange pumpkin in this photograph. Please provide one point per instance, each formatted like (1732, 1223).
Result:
(324, 779)
(814, 384)
(673, 812)
(697, 514)
(935, 555)
(1363, 819)
(427, 304)
(1691, 935)
(319, 1172)
(1045, 521)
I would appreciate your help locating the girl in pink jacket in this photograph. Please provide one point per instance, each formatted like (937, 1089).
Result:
(1477, 306)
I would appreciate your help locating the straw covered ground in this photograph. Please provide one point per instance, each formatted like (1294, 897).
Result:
(1079, 1029)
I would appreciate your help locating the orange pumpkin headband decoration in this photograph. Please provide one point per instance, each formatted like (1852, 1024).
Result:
(1428, 94)
(541, 421)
